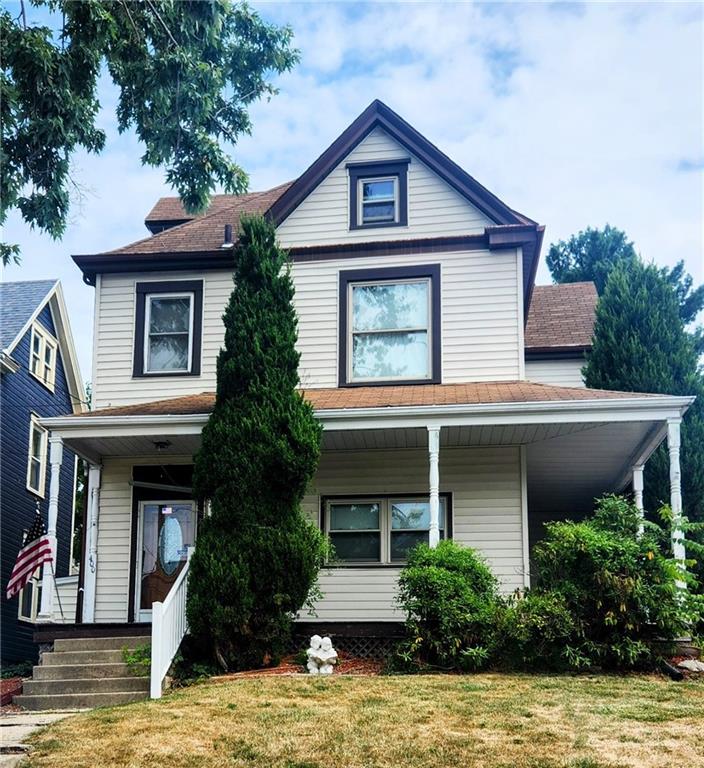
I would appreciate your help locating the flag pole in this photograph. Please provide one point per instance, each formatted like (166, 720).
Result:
(56, 587)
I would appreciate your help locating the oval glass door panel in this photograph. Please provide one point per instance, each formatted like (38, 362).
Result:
(170, 545)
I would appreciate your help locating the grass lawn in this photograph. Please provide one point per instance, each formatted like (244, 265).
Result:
(487, 721)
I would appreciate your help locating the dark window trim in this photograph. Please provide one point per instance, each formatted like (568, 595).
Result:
(431, 271)
(556, 353)
(168, 286)
(359, 171)
(447, 495)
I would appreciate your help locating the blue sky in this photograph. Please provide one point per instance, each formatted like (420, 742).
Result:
(575, 114)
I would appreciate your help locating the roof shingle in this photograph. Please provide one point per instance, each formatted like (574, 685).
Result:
(473, 393)
(561, 316)
(18, 301)
(203, 233)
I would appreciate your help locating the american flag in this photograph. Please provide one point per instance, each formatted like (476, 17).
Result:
(35, 551)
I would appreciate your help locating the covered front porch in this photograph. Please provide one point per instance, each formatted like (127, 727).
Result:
(484, 464)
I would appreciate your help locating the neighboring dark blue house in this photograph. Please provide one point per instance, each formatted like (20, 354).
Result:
(39, 377)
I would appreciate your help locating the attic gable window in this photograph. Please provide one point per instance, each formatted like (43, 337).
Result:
(42, 356)
(168, 328)
(378, 194)
(390, 326)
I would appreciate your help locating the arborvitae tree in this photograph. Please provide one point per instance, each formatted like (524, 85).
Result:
(640, 345)
(257, 556)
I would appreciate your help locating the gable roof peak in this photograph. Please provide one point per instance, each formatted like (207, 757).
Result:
(379, 114)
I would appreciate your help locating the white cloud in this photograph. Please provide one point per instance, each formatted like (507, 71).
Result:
(575, 115)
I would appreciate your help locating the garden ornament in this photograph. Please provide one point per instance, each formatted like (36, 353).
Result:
(321, 656)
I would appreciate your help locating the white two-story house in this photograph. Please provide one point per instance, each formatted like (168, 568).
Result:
(449, 388)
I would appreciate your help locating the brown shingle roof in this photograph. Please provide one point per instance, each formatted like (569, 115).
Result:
(474, 393)
(202, 233)
(561, 316)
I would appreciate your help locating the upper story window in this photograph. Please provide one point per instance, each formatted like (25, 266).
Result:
(168, 328)
(42, 356)
(36, 460)
(390, 326)
(380, 530)
(378, 194)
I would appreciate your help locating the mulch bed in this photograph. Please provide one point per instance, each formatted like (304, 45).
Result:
(11, 686)
(346, 665)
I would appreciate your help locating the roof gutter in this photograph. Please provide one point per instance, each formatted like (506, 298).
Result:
(674, 406)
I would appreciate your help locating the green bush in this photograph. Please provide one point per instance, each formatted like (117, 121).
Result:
(257, 557)
(450, 599)
(537, 631)
(620, 588)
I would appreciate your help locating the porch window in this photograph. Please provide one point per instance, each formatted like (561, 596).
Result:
(36, 461)
(380, 530)
(42, 356)
(390, 327)
(168, 328)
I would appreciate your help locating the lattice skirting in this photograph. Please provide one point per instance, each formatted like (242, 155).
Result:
(364, 642)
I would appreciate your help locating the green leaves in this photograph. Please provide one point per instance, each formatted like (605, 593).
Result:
(257, 557)
(187, 71)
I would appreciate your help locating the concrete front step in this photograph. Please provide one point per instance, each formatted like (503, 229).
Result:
(81, 657)
(99, 643)
(44, 702)
(86, 685)
(80, 671)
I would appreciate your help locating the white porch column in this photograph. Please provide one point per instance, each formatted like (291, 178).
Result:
(638, 493)
(56, 454)
(434, 477)
(91, 563)
(673, 446)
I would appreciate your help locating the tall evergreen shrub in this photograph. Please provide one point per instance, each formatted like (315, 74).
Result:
(257, 557)
(641, 345)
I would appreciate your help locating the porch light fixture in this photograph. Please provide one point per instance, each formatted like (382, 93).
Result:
(161, 445)
(227, 242)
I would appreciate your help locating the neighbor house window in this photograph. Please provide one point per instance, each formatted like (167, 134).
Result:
(389, 326)
(36, 461)
(30, 599)
(378, 194)
(168, 328)
(380, 530)
(42, 356)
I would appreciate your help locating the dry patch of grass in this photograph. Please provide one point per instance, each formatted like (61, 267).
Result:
(478, 721)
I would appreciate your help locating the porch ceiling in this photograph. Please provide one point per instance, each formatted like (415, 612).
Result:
(94, 448)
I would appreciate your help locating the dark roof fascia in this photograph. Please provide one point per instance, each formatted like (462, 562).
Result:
(378, 114)
(527, 236)
(576, 352)
(95, 264)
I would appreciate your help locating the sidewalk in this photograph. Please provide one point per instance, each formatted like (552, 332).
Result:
(14, 730)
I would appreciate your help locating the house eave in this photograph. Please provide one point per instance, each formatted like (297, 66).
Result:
(653, 408)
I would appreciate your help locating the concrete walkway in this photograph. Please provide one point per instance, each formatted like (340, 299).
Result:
(14, 730)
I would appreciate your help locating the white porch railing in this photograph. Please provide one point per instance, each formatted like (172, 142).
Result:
(169, 627)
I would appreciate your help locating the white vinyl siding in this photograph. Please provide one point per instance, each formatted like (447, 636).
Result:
(480, 308)
(434, 208)
(65, 598)
(485, 485)
(114, 339)
(564, 373)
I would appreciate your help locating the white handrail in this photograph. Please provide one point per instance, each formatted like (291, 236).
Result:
(169, 627)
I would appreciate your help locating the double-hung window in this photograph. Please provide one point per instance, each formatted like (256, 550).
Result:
(168, 333)
(36, 460)
(42, 356)
(30, 599)
(378, 194)
(168, 328)
(380, 530)
(390, 326)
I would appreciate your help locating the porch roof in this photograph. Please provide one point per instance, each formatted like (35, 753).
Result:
(344, 398)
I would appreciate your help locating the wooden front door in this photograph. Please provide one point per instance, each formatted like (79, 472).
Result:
(166, 530)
